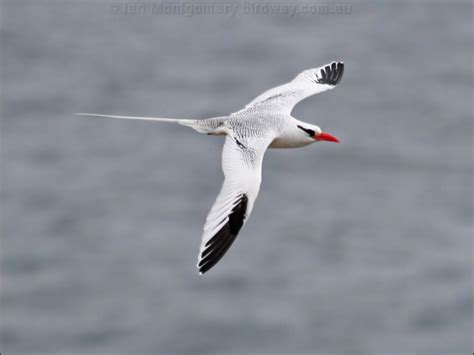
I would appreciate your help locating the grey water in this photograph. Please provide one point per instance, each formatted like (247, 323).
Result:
(361, 247)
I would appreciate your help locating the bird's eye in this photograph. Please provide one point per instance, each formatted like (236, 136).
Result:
(309, 131)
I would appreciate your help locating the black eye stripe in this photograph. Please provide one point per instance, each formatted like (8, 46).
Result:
(309, 131)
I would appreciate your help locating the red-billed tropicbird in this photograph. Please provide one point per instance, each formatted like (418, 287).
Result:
(266, 122)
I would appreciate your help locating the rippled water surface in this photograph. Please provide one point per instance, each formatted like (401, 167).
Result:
(362, 247)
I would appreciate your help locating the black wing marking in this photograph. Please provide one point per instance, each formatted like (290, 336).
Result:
(239, 143)
(218, 245)
(331, 74)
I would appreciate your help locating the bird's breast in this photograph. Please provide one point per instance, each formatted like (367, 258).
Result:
(288, 142)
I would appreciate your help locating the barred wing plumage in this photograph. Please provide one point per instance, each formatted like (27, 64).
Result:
(309, 82)
(242, 167)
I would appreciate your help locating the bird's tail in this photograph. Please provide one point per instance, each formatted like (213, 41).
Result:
(195, 124)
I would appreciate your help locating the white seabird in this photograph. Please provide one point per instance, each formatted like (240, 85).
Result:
(266, 122)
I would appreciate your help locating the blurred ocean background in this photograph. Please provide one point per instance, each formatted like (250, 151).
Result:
(362, 247)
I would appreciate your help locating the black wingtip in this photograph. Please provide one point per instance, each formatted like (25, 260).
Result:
(218, 245)
(331, 74)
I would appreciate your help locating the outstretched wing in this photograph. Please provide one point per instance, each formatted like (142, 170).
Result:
(307, 83)
(242, 166)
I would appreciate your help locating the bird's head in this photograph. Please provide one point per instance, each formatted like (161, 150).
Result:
(311, 133)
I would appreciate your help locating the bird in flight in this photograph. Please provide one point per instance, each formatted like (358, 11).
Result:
(265, 122)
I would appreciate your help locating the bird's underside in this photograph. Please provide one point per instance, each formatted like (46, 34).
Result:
(249, 132)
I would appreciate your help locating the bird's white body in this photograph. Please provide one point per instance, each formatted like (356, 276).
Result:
(266, 122)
